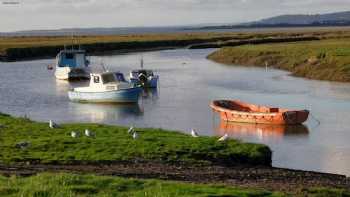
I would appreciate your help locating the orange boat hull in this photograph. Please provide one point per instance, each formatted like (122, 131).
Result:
(237, 111)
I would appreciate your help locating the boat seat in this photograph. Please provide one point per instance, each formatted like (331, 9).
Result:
(274, 110)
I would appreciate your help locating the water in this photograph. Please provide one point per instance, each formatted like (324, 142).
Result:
(188, 82)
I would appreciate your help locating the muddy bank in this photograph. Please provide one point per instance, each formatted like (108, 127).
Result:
(253, 41)
(276, 179)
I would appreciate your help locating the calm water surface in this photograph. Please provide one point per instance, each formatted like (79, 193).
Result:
(188, 82)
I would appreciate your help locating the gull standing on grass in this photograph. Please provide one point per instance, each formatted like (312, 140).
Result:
(74, 134)
(52, 124)
(223, 138)
(194, 133)
(135, 135)
(88, 133)
(131, 130)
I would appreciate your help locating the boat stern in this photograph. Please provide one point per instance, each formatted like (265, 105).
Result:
(296, 117)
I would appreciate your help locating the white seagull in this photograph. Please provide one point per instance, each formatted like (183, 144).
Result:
(135, 135)
(74, 134)
(194, 133)
(131, 130)
(52, 124)
(223, 138)
(88, 133)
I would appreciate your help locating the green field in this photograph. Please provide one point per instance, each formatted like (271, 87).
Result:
(113, 143)
(327, 59)
(90, 185)
(49, 184)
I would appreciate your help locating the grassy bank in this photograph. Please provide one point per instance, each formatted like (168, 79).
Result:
(19, 48)
(49, 184)
(113, 143)
(89, 185)
(327, 59)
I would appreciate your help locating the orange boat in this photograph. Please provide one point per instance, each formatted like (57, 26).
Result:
(237, 111)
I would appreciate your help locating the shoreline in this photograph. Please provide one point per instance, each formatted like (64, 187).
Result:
(102, 53)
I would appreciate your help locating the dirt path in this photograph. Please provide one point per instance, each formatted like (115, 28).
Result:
(276, 179)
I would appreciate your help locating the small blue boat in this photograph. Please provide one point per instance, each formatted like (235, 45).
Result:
(108, 87)
(145, 78)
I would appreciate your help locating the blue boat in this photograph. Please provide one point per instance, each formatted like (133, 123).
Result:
(108, 87)
(144, 77)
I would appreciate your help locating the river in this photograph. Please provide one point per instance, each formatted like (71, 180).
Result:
(188, 82)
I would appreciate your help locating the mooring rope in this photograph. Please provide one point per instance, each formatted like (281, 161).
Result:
(315, 119)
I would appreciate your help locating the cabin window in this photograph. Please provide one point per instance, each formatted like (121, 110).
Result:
(69, 55)
(135, 74)
(96, 79)
(120, 77)
(108, 78)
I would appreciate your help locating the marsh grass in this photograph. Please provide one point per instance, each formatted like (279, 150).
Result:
(30, 47)
(113, 143)
(324, 60)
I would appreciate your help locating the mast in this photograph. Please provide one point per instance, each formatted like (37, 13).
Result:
(141, 62)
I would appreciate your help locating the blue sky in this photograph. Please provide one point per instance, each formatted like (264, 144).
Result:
(54, 14)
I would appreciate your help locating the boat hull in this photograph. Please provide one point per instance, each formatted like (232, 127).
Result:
(72, 74)
(236, 111)
(117, 96)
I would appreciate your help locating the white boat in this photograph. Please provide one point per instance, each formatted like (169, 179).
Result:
(107, 87)
(72, 64)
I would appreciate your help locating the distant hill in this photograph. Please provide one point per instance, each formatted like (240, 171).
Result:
(297, 20)
(333, 18)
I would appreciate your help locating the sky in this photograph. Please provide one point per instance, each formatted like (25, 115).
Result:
(18, 15)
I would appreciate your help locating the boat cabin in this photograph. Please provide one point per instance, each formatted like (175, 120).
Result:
(72, 58)
(136, 73)
(108, 81)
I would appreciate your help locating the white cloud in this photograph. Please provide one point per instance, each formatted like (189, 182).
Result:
(46, 14)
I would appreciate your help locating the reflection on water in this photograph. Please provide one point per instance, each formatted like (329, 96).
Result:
(102, 112)
(150, 93)
(63, 86)
(262, 132)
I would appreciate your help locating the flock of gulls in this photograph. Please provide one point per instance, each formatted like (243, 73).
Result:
(221, 139)
(88, 133)
(131, 131)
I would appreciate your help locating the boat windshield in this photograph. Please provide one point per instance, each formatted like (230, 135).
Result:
(120, 77)
(134, 74)
(108, 78)
(149, 73)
